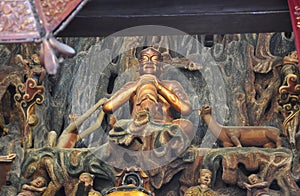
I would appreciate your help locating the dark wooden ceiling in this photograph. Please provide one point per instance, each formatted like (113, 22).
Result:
(104, 17)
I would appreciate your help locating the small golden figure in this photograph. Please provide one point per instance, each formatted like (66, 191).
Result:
(85, 186)
(203, 188)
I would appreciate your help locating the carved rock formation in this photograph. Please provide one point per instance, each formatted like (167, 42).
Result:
(233, 165)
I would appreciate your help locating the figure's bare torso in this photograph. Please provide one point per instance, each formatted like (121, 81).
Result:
(147, 98)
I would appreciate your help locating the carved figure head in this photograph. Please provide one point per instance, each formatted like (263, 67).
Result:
(205, 177)
(38, 182)
(254, 179)
(150, 61)
(87, 178)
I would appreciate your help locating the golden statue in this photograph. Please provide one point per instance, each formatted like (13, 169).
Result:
(151, 94)
(153, 128)
(152, 102)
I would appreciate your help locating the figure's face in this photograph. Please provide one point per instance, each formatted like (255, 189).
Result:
(150, 62)
(253, 179)
(294, 55)
(38, 182)
(86, 179)
(205, 178)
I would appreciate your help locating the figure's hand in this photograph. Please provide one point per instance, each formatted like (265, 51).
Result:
(248, 186)
(43, 189)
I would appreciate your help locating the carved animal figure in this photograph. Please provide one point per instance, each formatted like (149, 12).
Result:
(230, 136)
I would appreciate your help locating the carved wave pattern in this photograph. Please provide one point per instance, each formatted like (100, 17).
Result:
(30, 93)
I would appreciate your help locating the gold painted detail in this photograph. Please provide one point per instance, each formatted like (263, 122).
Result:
(30, 93)
(16, 16)
(297, 13)
(54, 9)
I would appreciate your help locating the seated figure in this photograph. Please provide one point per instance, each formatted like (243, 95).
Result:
(256, 186)
(154, 104)
(203, 188)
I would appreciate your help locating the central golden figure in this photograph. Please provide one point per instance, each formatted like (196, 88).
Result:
(153, 102)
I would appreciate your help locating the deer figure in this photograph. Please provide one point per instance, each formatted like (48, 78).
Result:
(239, 136)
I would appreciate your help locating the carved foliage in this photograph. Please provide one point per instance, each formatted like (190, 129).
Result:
(29, 93)
(290, 96)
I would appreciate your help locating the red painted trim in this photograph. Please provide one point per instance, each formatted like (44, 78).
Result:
(294, 6)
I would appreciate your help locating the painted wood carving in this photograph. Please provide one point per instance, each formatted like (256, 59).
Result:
(153, 115)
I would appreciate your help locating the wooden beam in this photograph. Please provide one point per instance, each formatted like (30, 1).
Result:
(102, 18)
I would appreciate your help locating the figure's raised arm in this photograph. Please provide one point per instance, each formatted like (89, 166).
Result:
(174, 93)
(33, 188)
(120, 97)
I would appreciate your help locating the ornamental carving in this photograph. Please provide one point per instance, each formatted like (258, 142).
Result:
(149, 121)
(16, 19)
(54, 12)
